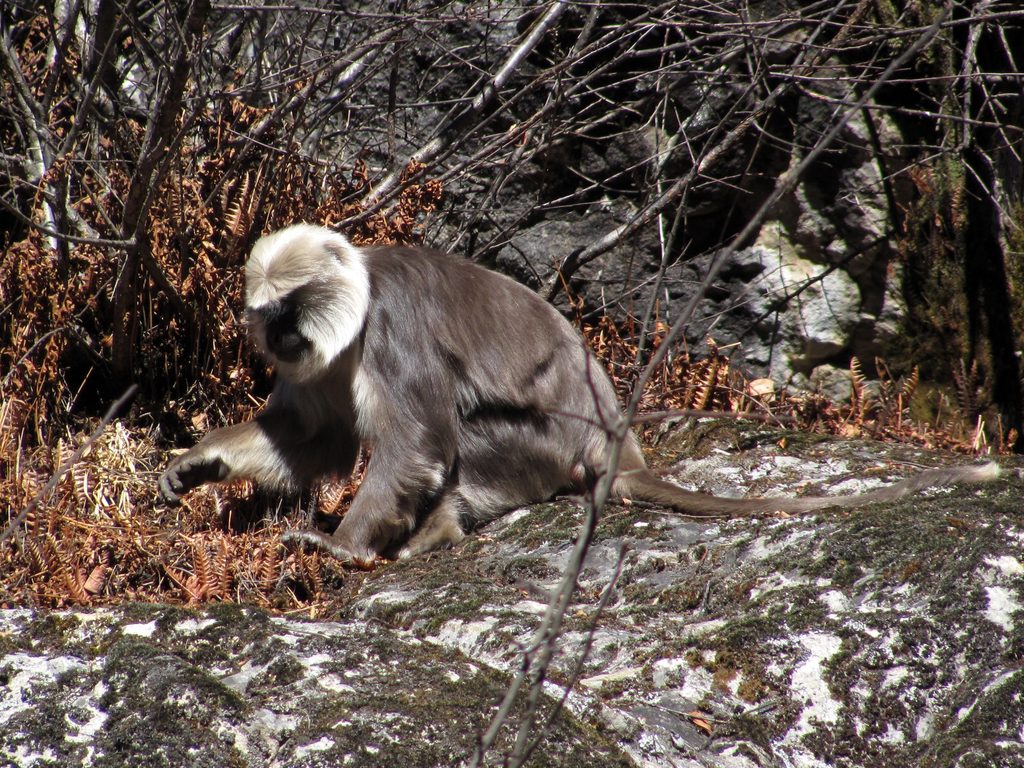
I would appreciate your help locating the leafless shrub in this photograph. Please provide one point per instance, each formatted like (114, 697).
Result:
(145, 146)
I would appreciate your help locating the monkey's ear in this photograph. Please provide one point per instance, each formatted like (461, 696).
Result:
(341, 248)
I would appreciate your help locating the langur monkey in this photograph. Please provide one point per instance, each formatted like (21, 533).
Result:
(473, 394)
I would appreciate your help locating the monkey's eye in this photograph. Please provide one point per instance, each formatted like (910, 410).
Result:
(281, 331)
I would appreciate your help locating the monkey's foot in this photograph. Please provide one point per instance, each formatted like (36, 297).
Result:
(328, 545)
(439, 531)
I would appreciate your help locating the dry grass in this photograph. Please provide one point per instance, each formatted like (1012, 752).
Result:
(100, 536)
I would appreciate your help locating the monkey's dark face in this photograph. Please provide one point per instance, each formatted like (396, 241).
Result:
(307, 295)
(276, 329)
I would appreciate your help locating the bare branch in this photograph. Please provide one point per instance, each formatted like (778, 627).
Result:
(785, 184)
(460, 118)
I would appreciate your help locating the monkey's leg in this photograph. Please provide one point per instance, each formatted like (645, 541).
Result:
(400, 482)
(510, 459)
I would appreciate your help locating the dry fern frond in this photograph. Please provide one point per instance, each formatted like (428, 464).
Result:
(172, 198)
(268, 567)
(205, 585)
(188, 584)
(332, 494)
(66, 571)
(862, 402)
(40, 520)
(706, 385)
(36, 552)
(223, 565)
(966, 381)
(310, 573)
(239, 204)
(858, 381)
(909, 387)
(80, 484)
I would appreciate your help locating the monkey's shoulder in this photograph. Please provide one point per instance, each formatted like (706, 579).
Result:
(424, 277)
(410, 261)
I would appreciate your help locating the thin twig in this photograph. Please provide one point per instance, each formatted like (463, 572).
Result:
(524, 745)
(460, 118)
(786, 183)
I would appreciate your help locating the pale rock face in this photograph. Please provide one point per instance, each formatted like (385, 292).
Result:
(823, 311)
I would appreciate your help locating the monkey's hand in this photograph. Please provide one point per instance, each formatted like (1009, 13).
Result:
(329, 545)
(189, 471)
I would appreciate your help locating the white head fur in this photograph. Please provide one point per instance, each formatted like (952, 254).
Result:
(336, 292)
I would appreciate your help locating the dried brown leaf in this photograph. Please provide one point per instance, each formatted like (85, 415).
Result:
(701, 720)
(97, 578)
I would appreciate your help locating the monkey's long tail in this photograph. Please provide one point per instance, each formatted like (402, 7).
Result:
(644, 485)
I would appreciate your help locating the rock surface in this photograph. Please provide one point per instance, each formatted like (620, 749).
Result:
(228, 686)
(892, 636)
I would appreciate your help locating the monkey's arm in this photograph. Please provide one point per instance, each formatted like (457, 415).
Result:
(265, 450)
